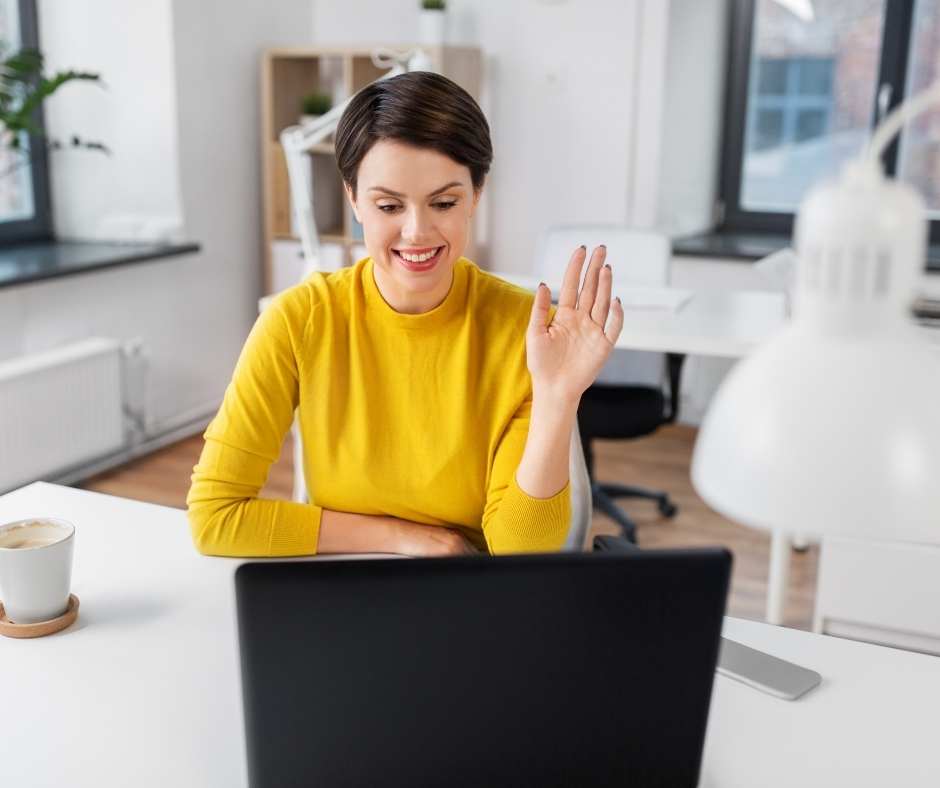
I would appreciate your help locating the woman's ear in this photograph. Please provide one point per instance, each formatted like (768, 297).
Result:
(352, 201)
(477, 194)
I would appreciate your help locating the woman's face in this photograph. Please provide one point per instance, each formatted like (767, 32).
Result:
(414, 205)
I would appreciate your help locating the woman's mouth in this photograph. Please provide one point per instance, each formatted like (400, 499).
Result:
(419, 259)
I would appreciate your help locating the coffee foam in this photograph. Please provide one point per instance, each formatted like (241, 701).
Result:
(31, 534)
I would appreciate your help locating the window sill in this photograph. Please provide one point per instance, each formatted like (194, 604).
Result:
(748, 247)
(34, 262)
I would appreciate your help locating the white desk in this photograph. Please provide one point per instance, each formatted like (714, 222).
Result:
(726, 323)
(144, 689)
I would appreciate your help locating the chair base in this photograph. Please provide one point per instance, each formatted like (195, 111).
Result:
(603, 495)
(666, 507)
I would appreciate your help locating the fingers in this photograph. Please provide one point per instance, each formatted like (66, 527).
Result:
(538, 320)
(601, 306)
(589, 288)
(615, 325)
(569, 287)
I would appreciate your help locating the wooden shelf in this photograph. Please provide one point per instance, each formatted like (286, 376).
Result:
(290, 73)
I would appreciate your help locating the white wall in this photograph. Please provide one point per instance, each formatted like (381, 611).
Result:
(692, 122)
(181, 115)
(558, 92)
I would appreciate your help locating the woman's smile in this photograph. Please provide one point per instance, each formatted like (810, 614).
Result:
(418, 260)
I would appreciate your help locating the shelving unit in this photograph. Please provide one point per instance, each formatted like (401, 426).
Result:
(287, 75)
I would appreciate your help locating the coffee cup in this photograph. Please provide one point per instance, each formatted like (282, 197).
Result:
(35, 568)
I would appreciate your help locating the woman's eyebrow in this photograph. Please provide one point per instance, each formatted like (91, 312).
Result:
(393, 193)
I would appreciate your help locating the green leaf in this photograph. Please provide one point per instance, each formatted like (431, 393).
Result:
(23, 88)
(47, 87)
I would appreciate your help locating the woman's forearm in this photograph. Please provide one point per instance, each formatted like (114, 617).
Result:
(543, 469)
(345, 532)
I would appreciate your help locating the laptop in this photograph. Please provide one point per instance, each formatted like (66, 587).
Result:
(585, 669)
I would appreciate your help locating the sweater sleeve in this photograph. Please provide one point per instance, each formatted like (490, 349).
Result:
(226, 515)
(514, 521)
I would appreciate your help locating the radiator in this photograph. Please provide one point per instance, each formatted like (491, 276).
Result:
(59, 409)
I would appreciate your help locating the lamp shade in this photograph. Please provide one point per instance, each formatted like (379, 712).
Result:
(833, 425)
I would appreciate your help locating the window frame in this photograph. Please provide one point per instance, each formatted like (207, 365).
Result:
(39, 227)
(893, 67)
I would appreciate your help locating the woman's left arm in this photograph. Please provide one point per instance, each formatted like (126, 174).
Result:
(564, 356)
(528, 504)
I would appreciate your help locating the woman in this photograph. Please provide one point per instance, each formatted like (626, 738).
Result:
(435, 401)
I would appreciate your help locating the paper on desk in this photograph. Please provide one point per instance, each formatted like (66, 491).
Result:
(668, 299)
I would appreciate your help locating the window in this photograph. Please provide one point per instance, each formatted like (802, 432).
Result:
(919, 155)
(24, 186)
(806, 80)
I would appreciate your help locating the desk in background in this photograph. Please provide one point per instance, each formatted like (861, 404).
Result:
(729, 324)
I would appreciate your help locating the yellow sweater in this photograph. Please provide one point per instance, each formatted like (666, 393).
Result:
(422, 417)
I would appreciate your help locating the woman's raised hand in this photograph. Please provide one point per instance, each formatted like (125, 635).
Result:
(565, 356)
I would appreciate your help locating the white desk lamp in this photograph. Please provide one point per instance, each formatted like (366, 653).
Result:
(298, 141)
(832, 426)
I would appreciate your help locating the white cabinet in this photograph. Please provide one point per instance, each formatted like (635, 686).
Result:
(287, 261)
(880, 592)
(287, 264)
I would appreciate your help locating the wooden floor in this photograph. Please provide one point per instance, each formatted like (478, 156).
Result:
(660, 461)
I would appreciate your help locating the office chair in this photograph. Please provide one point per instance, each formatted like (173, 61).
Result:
(627, 400)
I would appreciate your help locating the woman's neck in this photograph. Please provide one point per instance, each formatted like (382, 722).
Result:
(410, 302)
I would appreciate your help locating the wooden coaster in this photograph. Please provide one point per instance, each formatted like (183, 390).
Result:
(40, 628)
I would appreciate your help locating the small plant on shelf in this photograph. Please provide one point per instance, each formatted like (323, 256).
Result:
(315, 104)
(434, 5)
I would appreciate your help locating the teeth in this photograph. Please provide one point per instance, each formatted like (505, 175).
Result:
(418, 258)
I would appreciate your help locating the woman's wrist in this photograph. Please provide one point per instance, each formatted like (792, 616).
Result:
(554, 400)
(543, 469)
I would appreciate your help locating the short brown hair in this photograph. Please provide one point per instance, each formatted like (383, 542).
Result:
(419, 108)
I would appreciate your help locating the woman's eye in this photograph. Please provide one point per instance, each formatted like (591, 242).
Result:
(388, 208)
(444, 206)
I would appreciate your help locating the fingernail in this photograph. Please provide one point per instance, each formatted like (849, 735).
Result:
(607, 266)
(583, 246)
(542, 284)
(617, 299)
(604, 247)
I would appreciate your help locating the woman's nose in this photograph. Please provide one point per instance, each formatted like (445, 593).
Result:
(416, 227)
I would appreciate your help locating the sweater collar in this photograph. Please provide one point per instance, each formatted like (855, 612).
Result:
(453, 303)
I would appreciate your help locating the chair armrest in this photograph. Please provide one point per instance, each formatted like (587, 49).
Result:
(613, 544)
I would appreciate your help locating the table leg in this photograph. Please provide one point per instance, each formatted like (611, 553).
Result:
(778, 576)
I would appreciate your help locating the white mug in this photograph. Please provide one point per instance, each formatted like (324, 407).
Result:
(35, 568)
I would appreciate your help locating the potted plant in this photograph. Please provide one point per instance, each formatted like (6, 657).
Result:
(431, 22)
(313, 105)
(23, 88)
